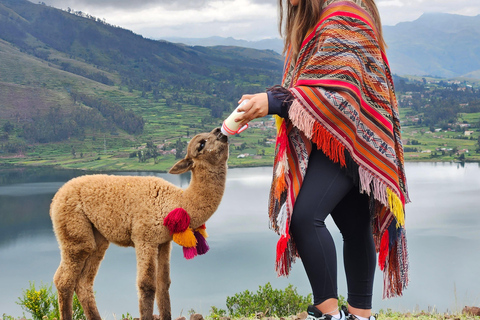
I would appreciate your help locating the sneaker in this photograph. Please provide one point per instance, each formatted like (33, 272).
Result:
(315, 314)
(351, 316)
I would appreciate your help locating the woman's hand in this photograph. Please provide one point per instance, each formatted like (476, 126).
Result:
(256, 107)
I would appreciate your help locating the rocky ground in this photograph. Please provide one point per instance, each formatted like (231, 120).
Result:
(467, 314)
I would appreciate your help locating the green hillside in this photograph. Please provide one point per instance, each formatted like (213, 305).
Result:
(49, 58)
(77, 92)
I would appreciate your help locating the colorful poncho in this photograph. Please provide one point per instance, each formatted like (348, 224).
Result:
(345, 104)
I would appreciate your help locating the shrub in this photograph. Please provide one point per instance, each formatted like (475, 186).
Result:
(37, 302)
(274, 302)
(44, 303)
(216, 313)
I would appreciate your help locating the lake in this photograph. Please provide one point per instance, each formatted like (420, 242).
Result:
(443, 223)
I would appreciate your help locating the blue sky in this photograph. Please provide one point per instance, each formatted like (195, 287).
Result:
(240, 19)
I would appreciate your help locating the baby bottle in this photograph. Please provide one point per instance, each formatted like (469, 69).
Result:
(229, 126)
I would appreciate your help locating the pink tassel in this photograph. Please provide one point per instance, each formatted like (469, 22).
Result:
(189, 253)
(202, 245)
(382, 255)
(177, 220)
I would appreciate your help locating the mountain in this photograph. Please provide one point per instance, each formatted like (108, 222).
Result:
(78, 92)
(33, 27)
(275, 44)
(436, 44)
(101, 78)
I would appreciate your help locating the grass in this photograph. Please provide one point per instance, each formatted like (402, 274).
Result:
(381, 315)
(431, 143)
(43, 85)
(422, 315)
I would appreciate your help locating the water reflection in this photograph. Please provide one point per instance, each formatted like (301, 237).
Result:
(442, 230)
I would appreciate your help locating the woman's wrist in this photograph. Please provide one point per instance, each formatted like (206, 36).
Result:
(274, 104)
(279, 101)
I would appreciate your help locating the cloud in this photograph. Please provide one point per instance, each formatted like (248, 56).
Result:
(395, 11)
(127, 4)
(242, 19)
(390, 3)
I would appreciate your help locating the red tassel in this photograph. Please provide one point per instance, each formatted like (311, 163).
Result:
(282, 263)
(382, 255)
(282, 246)
(177, 220)
(202, 245)
(282, 142)
(189, 253)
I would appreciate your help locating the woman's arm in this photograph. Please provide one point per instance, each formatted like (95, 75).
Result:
(276, 100)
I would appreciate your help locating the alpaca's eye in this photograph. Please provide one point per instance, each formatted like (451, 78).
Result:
(202, 145)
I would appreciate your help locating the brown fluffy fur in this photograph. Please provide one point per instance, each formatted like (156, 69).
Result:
(91, 211)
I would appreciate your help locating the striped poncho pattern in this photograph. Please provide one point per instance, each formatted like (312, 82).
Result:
(345, 104)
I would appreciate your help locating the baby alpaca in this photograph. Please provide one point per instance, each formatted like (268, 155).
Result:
(91, 211)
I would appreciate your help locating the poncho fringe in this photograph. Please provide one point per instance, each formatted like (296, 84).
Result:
(348, 110)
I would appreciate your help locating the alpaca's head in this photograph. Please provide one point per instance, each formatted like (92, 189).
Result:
(209, 149)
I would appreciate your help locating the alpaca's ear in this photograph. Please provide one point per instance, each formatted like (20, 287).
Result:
(181, 166)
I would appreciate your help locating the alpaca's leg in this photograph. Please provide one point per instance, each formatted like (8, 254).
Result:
(146, 274)
(84, 288)
(67, 274)
(64, 280)
(163, 281)
(75, 235)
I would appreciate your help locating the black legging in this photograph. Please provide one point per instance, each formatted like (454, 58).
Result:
(327, 190)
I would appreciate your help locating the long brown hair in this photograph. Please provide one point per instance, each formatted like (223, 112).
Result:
(295, 21)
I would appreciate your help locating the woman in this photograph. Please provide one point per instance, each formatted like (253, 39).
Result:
(338, 152)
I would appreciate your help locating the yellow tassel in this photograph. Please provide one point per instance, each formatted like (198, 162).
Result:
(185, 238)
(396, 207)
(278, 122)
(203, 232)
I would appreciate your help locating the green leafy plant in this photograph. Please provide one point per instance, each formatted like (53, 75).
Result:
(274, 302)
(43, 303)
(37, 302)
(7, 317)
(127, 316)
(342, 302)
(216, 313)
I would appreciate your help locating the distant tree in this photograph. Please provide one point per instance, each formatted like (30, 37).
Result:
(8, 127)
(179, 148)
(54, 118)
(152, 151)
(141, 156)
